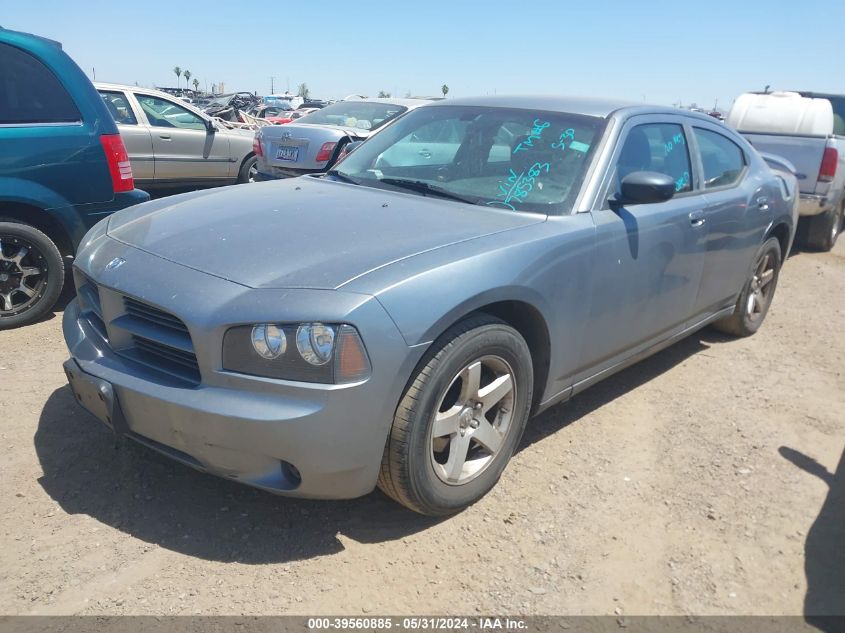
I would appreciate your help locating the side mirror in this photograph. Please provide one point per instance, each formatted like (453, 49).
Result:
(645, 187)
(348, 149)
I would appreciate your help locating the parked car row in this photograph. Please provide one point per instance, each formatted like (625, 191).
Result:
(395, 316)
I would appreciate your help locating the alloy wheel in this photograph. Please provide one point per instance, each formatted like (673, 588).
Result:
(23, 275)
(253, 170)
(760, 294)
(472, 420)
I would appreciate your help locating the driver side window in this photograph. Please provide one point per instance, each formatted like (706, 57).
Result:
(658, 147)
(161, 113)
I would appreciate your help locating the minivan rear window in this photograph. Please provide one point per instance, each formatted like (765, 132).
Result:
(30, 93)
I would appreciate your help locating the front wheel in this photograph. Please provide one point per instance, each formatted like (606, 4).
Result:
(460, 420)
(32, 274)
(757, 294)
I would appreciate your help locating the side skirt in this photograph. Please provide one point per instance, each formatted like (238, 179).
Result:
(578, 387)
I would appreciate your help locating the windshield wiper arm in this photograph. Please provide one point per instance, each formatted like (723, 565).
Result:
(341, 176)
(426, 188)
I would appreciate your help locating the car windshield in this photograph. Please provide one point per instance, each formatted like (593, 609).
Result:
(364, 115)
(521, 160)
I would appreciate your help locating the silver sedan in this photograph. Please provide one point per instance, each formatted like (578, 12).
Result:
(171, 144)
(315, 141)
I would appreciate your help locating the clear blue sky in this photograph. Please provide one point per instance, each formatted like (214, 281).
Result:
(633, 49)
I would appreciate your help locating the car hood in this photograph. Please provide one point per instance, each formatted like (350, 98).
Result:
(302, 232)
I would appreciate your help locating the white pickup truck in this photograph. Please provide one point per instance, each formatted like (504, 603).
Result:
(808, 129)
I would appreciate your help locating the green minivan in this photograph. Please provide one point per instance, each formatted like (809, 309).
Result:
(63, 167)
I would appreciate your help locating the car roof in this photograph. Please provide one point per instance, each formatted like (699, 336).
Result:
(39, 38)
(408, 103)
(100, 85)
(588, 106)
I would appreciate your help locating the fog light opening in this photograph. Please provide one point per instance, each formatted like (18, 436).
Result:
(291, 474)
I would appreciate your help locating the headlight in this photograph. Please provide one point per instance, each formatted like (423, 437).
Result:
(315, 342)
(269, 341)
(324, 353)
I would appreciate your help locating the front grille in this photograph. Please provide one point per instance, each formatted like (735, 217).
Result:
(154, 316)
(89, 303)
(158, 339)
(170, 359)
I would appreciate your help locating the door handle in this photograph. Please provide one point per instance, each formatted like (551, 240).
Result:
(164, 137)
(425, 153)
(696, 218)
(763, 203)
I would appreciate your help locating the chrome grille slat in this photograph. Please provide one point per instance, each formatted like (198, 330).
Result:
(169, 353)
(149, 313)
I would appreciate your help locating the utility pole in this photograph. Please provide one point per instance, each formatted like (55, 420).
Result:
(94, 72)
(287, 82)
(272, 85)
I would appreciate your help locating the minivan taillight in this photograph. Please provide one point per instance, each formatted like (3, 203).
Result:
(829, 161)
(256, 147)
(325, 152)
(118, 161)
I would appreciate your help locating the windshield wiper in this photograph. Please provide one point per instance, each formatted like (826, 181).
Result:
(426, 188)
(341, 176)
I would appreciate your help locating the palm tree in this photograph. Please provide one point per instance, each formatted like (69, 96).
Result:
(445, 90)
(178, 72)
(303, 90)
(196, 84)
(187, 76)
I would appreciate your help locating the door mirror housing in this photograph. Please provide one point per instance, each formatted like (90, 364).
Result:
(645, 187)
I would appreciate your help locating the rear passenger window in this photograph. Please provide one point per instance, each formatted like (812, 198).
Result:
(660, 147)
(721, 158)
(30, 92)
(117, 104)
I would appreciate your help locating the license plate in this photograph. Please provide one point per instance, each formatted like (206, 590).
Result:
(288, 153)
(96, 396)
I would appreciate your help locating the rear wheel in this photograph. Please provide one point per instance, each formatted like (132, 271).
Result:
(460, 420)
(248, 170)
(757, 294)
(823, 230)
(31, 274)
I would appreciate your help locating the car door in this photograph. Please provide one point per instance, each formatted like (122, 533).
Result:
(185, 149)
(736, 213)
(136, 137)
(648, 257)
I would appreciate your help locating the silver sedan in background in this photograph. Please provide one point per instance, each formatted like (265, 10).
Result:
(315, 141)
(172, 144)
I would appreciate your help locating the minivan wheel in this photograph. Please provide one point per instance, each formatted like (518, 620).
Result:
(757, 294)
(823, 230)
(460, 419)
(31, 274)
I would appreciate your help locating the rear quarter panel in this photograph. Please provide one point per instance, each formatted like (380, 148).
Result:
(65, 159)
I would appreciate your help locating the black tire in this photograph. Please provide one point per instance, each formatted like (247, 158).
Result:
(248, 164)
(408, 472)
(42, 254)
(746, 320)
(823, 230)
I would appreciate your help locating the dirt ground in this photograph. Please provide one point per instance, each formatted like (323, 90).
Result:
(708, 479)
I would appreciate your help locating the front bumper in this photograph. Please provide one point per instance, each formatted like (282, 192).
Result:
(245, 428)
